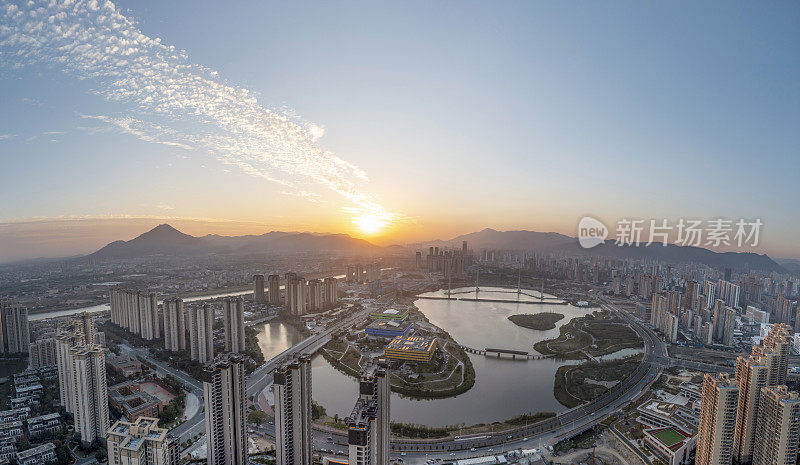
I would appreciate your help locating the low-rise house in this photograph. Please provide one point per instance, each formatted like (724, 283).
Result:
(32, 389)
(8, 448)
(24, 401)
(30, 379)
(132, 402)
(12, 429)
(50, 423)
(19, 414)
(39, 455)
(125, 365)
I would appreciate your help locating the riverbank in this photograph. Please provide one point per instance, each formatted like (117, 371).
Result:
(594, 335)
(537, 321)
(578, 384)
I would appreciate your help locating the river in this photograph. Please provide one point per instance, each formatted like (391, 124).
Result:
(503, 388)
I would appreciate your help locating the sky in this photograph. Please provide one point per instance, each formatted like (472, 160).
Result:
(393, 121)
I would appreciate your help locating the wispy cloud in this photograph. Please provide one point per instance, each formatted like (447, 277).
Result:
(171, 100)
(7, 136)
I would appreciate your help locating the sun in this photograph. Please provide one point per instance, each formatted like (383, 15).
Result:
(370, 224)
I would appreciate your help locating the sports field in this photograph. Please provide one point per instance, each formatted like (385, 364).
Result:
(669, 437)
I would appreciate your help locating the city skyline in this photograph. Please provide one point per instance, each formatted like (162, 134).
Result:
(407, 123)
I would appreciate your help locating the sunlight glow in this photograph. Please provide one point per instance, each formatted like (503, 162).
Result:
(370, 224)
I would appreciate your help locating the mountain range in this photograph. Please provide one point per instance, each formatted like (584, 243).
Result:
(164, 240)
(168, 241)
(551, 242)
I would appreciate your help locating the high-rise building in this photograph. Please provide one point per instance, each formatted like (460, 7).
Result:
(14, 332)
(778, 342)
(258, 289)
(42, 352)
(728, 292)
(751, 375)
(141, 442)
(91, 392)
(292, 391)
(274, 289)
(76, 333)
(233, 319)
(331, 292)
(148, 315)
(368, 424)
(777, 427)
(201, 335)
(717, 420)
(84, 323)
(315, 302)
(174, 325)
(296, 295)
(225, 398)
(135, 311)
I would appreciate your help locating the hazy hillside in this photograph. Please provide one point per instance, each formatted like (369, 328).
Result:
(165, 240)
(554, 242)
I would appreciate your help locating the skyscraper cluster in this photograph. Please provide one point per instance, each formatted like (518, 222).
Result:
(359, 274)
(136, 311)
(309, 296)
(14, 331)
(448, 262)
(83, 390)
(753, 418)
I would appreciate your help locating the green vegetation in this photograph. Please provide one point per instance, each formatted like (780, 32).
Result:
(577, 384)
(252, 349)
(529, 418)
(421, 431)
(11, 364)
(569, 342)
(539, 321)
(317, 411)
(174, 409)
(257, 417)
(596, 334)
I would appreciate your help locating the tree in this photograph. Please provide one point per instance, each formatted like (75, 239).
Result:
(257, 417)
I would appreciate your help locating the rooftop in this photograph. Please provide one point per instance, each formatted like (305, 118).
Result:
(36, 450)
(411, 343)
(672, 438)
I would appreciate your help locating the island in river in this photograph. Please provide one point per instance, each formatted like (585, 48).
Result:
(538, 321)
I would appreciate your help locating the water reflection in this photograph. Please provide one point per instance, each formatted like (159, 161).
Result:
(503, 388)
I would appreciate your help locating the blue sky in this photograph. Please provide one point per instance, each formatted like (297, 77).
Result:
(462, 115)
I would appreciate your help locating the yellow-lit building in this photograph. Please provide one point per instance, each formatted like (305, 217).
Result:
(411, 348)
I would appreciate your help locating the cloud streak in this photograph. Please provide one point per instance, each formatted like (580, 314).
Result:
(171, 100)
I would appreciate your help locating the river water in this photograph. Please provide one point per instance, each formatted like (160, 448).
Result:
(503, 388)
